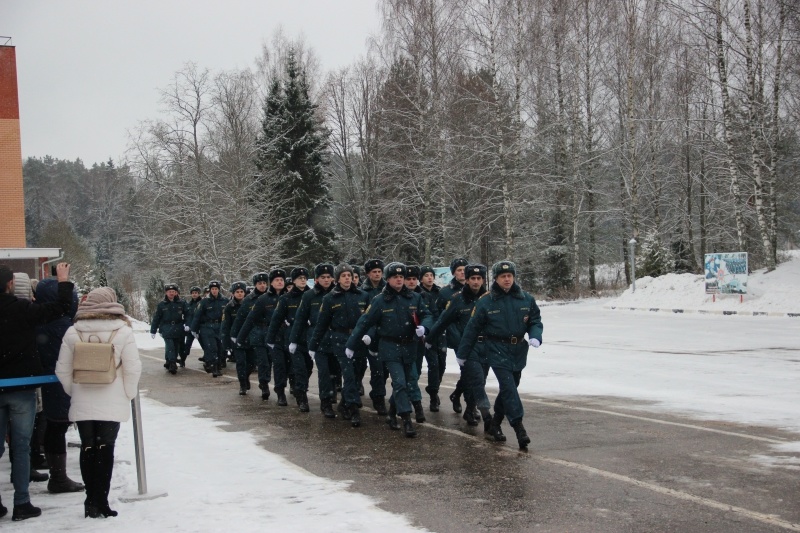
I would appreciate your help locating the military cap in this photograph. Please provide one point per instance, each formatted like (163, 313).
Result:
(260, 276)
(236, 285)
(394, 268)
(457, 262)
(299, 271)
(277, 273)
(323, 268)
(475, 270)
(214, 283)
(195, 288)
(341, 268)
(357, 270)
(424, 269)
(504, 267)
(412, 272)
(372, 264)
(171, 287)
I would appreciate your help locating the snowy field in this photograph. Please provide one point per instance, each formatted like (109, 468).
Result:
(741, 369)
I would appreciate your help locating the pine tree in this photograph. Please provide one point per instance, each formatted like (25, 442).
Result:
(654, 260)
(291, 159)
(557, 276)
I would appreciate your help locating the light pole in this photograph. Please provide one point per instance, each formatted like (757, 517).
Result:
(632, 254)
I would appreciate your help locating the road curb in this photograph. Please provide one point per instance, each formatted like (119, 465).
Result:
(703, 311)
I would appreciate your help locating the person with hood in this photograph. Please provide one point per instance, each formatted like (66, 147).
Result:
(19, 362)
(502, 318)
(305, 320)
(170, 319)
(400, 318)
(55, 402)
(99, 409)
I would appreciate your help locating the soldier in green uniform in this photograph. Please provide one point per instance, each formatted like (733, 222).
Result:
(240, 354)
(191, 307)
(304, 322)
(400, 318)
(340, 311)
(411, 283)
(206, 325)
(502, 318)
(280, 327)
(476, 367)
(457, 267)
(255, 339)
(435, 346)
(169, 318)
(372, 285)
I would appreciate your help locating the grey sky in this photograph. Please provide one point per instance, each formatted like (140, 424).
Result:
(89, 70)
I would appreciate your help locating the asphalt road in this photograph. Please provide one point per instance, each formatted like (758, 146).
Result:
(592, 466)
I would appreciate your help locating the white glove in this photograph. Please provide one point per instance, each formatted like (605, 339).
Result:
(366, 339)
(460, 361)
(349, 353)
(292, 348)
(271, 346)
(374, 354)
(152, 335)
(428, 345)
(187, 329)
(535, 343)
(195, 335)
(233, 340)
(309, 322)
(287, 323)
(420, 331)
(312, 354)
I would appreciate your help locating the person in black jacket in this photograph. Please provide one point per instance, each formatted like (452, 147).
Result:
(18, 361)
(188, 338)
(170, 319)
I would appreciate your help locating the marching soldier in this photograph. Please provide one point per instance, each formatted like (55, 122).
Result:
(245, 358)
(340, 311)
(280, 327)
(169, 319)
(502, 318)
(206, 326)
(254, 341)
(401, 317)
(372, 285)
(191, 307)
(411, 283)
(457, 267)
(304, 322)
(435, 346)
(257, 321)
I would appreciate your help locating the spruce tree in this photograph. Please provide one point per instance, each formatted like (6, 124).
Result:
(654, 260)
(291, 160)
(557, 276)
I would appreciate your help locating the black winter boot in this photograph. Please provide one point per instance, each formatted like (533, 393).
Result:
(355, 416)
(435, 403)
(343, 410)
(302, 402)
(418, 412)
(281, 397)
(391, 418)
(487, 420)
(495, 432)
(59, 482)
(522, 436)
(88, 462)
(456, 399)
(408, 427)
(380, 405)
(24, 511)
(264, 391)
(39, 476)
(103, 471)
(327, 409)
(172, 367)
(469, 416)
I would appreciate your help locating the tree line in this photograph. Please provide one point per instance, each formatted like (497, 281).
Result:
(546, 131)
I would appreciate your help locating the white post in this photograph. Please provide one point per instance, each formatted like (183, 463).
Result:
(632, 254)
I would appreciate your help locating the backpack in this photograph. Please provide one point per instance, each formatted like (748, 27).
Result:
(93, 362)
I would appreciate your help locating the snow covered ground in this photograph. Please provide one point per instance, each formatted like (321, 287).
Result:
(734, 368)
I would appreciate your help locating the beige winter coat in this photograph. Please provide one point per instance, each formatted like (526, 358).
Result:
(110, 402)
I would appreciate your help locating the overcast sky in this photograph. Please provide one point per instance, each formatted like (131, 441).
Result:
(89, 70)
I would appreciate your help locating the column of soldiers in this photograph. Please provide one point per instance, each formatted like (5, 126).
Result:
(391, 322)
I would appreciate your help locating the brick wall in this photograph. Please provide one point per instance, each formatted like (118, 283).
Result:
(12, 200)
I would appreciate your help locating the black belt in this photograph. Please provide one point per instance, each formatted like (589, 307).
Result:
(506, 340)
(346, 331)
(399, 340)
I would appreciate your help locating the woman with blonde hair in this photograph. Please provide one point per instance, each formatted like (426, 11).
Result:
(99, 409)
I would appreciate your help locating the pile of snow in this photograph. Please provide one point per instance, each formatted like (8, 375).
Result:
(776, 291)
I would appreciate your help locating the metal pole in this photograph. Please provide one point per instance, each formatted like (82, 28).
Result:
(632, 254)
(138, 440)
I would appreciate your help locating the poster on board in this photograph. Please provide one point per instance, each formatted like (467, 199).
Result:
(443, 276)
(726, 273)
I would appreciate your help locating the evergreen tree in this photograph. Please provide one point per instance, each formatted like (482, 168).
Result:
(682, 256)
(557, 276)
(291, 159)
(654, 260)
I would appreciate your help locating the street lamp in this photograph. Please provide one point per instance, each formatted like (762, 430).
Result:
(632, 254)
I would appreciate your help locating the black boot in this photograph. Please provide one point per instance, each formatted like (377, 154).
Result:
(103, 471)
(242, 390)
(408, 427)
(469, 416)
(456, 399)
(380, 405)
(495, 432)
(38, 477)
(487, 420)
(24, 511)
(222, 362)
(434, 394)
(281, 397)
(418, 412)
(522, 436)
(343, 410)
(264, 391)
(88, 463)
(215, 371)
(208, 368)
(172, 367)
(59, 482)
(355, 416)
(391, 418)
(302, 401)
(327, 409)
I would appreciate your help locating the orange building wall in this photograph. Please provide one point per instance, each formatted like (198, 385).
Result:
(12, 201)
